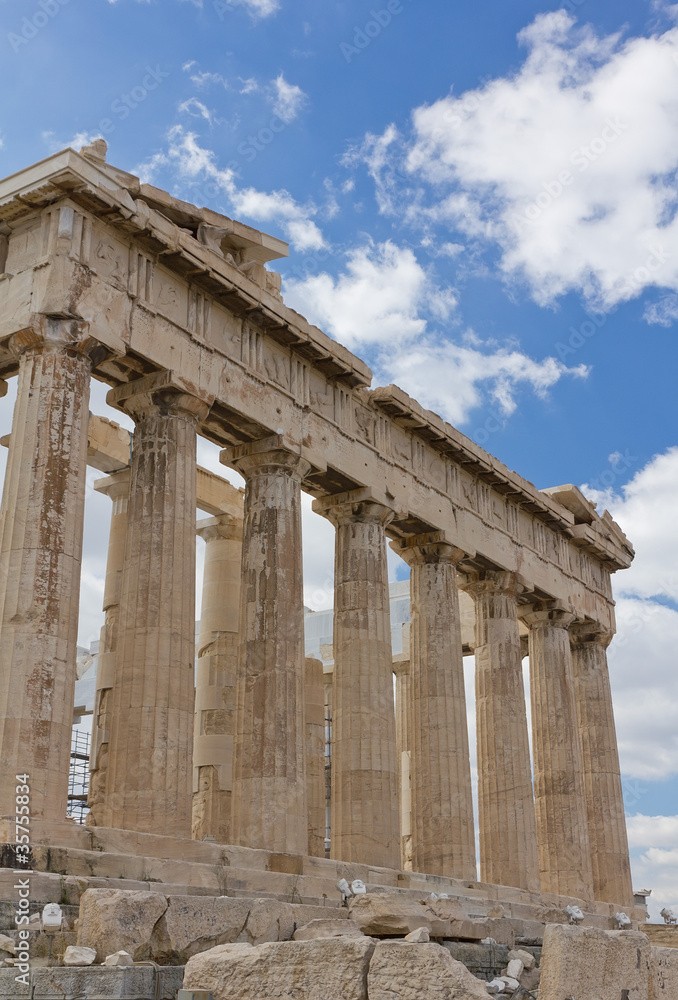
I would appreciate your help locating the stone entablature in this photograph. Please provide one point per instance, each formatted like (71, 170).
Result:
(82, 232)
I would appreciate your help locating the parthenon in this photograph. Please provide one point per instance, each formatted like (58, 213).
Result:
(103, 276)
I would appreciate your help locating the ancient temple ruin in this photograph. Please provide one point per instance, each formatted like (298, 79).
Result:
(102, 276)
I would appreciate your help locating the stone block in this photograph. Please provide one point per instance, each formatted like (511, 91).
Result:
(328, 928)
(94, 981)
(75, 955)
(526, 957)
(328, 969)
(663, 974)
(403, 971)
(587, 962)
(191, 924)
(391, 915)
(120, 958)
(115, 920)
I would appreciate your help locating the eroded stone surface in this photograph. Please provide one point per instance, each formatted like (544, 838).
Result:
(392, 914)
(586, 962)
(408, 971)
(663, 974)
(327, 929)
(313, 970)
(114, 920)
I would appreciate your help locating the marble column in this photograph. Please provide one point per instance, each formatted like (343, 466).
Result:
(148, 787)
(269, 776)
(314, 702)
(364, 823)
(40, 556)
(401, 669)
(505, 798)
(443, 841)
(602, 778)
(560, 806)
(218, 646)
(116, 487)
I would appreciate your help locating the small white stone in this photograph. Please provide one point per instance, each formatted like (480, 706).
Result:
(515, 969)
(526, 957)
(119, 958)
(7, 944)
(496, 986)
(512, 983)
(419, 936)
(79, 956)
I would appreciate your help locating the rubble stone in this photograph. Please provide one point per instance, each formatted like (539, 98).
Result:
(404, 971)
(587, 962)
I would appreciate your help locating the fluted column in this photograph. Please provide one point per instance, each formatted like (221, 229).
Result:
(364, 825)
(40, 557)
(560, 807)
(314, 701)
(401, 669)
(602, 778)
(505, 798)
(443, 841)
(217, 652)
(151, 717)
(116, 487)
(269, 777)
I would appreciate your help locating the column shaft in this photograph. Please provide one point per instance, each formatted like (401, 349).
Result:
(117, 488)
(562, 831)
(269, 780)
(218, 649)
(151, 719)
(403, 706)
(314, 701)
(364, 824)
(443, 841)
(505, 798)
(40, 556)
(602, 778)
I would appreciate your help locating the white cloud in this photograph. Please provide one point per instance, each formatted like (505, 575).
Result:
(662, 831)
(568, 165)
(646, 510)
(664, 312)
(289, 99)
(257, 8)
(385, 300)
(196, 109)
(197, 165)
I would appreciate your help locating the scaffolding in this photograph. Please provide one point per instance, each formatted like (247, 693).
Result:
(78, 776)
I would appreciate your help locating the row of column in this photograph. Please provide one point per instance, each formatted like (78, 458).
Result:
(144, 769)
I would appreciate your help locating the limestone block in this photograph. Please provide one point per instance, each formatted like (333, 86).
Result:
(526, 957)
(327, 929)
(663, 973)
(420, 936)
(408, 971)
(510, 983)
(391, 914)
(115, 920)
(334, 969)
(515, 968)
(7, 944)
(139, 982)
(268, 920)
(587, 962)
(75, 955)
(192, 924)
(120, 958)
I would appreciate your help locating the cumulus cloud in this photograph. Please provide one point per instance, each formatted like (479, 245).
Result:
(664, 312)
(384, 301)
(567, 166)
(196, 165)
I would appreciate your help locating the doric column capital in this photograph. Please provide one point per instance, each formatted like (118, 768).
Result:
(491, 581)
(226, 526)
(267, 456)
(55, 335)
(552, 618)
(401, 664)
(587, 633)
(164, 392)
(352, 507)
(114, 486)
(428, 549)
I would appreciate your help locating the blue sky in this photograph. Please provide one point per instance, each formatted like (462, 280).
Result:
(480, 201)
